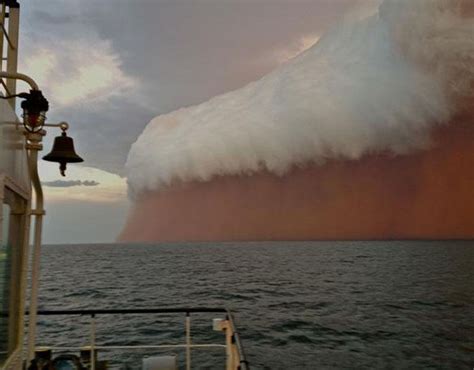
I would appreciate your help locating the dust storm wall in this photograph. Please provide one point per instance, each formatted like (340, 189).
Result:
(366, 135)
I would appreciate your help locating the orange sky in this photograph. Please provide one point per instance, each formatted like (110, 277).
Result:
(425, 195)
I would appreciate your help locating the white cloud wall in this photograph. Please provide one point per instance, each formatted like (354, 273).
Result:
(377, 84)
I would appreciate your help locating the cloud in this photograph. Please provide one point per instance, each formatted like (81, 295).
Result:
(375, 85)
(105, 188)
(82, 71)
(69, 183)
(163, 54)
(108, 77)
(304, 43)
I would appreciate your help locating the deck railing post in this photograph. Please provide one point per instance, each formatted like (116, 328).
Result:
(92, 342)
(228, 345)
(188, 341)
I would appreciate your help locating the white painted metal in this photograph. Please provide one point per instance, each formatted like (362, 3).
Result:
(188, 342)
(159, 363)
(14, 362)
(16, 209)
(157, 346)
(13, 156)
(228, 342)
(217, 324)
(232, 354)
(233, 360)
(13, 162)
(12, 55)
(13, 167)
(93, 348)
(16, 224)
(20, 76)
(24, 279)
(3, 11)
(33, 146)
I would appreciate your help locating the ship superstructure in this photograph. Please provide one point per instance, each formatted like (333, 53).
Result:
(15, 195)
(22, 205)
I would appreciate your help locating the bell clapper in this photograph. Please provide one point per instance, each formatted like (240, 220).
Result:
(62, 168)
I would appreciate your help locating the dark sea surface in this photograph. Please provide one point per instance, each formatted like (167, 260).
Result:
(298, 305)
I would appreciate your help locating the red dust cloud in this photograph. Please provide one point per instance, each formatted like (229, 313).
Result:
(332, 146)
(427, 195)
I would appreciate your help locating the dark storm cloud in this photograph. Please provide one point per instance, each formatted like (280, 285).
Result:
(44, 17)
(179, 53)
(185, 52)
(70, 183)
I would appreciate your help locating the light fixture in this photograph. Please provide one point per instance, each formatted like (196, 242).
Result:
(34, 108)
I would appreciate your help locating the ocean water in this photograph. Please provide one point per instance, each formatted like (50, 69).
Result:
(298, 305)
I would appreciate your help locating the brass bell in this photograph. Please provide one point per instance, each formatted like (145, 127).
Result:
(63, 152)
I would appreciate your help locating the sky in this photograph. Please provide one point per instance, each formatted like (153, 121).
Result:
(109, 67)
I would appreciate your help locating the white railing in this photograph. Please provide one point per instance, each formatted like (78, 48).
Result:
(235, 358)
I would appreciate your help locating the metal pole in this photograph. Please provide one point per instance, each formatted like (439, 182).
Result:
(20, 76)
(228, 345)
(12, 56)
(26, 253)
(188, 341)
(92, 342)
(2, 19)
(33, 146)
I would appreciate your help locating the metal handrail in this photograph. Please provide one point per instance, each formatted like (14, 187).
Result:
(89, 312)
(243, 363)
(238, 343)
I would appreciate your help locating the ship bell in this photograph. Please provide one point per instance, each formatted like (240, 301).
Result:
(63, 152)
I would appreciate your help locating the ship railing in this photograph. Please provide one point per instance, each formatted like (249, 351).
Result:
(235, 356)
